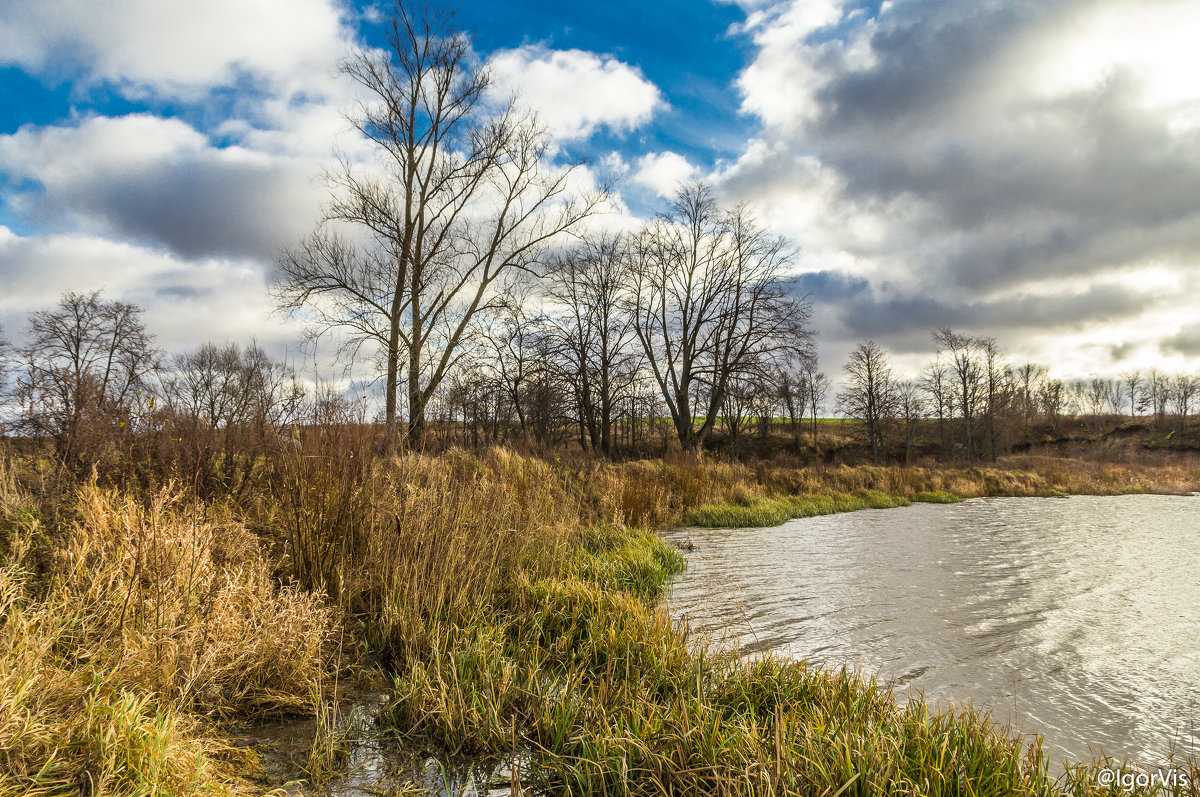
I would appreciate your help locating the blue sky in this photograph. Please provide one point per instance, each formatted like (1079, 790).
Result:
(1020, 168)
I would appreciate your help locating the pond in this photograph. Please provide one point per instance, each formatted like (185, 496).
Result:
(1077, 618)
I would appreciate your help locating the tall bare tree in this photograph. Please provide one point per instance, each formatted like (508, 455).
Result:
(910, 407)
(1132, 380)
(458, 196)
(817, 387)
(1029, 378)
(869, 395)
(709, 301)
(587, 284)
(968, 375)
(792, 388)
(510, 337)
(1155, 395)
(1052, 397)
(998, 393)
(1183, 394)
(935, 381)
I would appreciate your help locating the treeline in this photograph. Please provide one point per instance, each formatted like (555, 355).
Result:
(618, 343)
(90, 382)
(679, 320)
(984, 407)
(569, 360)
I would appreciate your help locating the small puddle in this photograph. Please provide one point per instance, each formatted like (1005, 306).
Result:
(376, 763)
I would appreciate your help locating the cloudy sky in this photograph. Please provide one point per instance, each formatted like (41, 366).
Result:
(1023, 169)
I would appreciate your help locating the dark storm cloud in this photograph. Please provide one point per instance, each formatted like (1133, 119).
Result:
(929, 54)
(829, 286)
(196, 206)
(1044, 150)
(159, 182)
(1187, 341)
(881, 316)
(1034, 194)
(185, 292)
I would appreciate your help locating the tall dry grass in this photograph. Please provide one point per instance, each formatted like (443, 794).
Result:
(151, 621)
(405, 542)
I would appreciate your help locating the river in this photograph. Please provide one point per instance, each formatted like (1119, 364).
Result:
(1077, 618)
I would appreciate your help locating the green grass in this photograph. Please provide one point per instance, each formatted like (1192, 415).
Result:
(936, 497)
(605, 696)
(759, 512)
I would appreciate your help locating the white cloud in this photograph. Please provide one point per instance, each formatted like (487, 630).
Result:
(576, 92)
(663, 172)
(186, 302)
(780, 85)
(1004, 153)
(176, 48)
(1155, 44)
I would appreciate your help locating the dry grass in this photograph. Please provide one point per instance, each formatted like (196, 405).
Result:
(151, 622)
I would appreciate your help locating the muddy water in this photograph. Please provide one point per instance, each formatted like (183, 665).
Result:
(376, 764)
(1078, 618)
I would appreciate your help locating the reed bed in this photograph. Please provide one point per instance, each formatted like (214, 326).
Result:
(122, 645)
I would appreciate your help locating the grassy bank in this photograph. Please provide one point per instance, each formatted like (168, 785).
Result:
(775, 495)
(510, 602)
(758, 511)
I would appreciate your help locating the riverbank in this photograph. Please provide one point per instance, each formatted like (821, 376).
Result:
(784, 495)
(509, 603)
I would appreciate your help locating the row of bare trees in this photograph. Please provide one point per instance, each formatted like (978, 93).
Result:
(563, 362)
(983, 406)
(89, 379)
(673, 323)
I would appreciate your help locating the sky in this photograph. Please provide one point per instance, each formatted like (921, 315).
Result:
(1023, 169)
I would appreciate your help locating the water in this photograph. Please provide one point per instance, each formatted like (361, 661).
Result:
(377, 764)
(1078, 618)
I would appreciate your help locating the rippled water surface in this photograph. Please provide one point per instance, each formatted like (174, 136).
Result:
(1075, 617)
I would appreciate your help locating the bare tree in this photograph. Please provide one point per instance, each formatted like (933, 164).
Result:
(595, 330)
(792, 387)
(227, 386)
(736, 409)
(1155, 395)
(1052, 397)
(1133, 390)
(869, 395)
(458, 197)
(85, 362)
(510, 335)
(219, 408)
(935, 381)
(818, 385)
(910, 406)
(1029, 378)
(1116, 396)
(997, 392)
(709, 299)
(1183, 393)
(967, 374)
(1094, 394)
